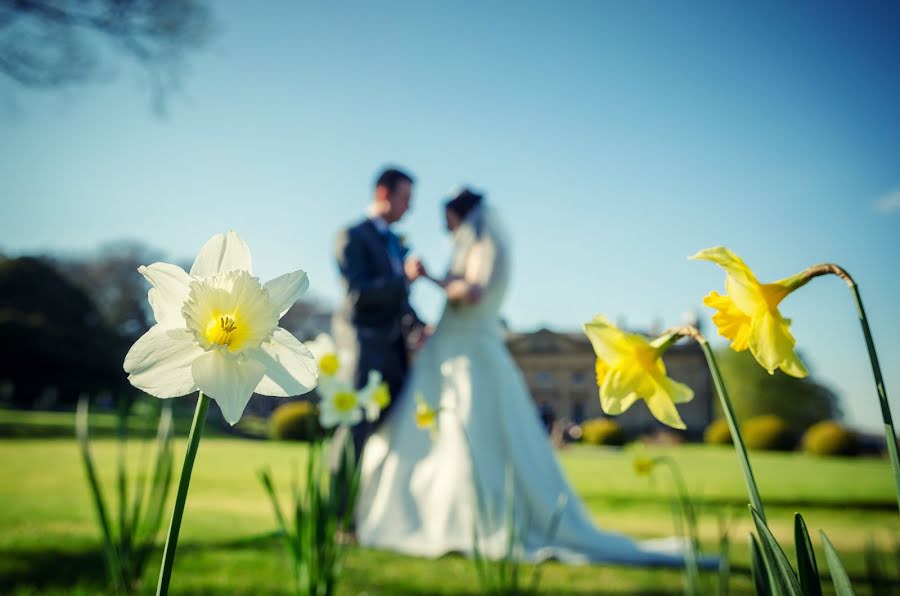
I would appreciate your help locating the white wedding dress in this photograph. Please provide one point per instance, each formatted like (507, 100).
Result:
(418, 492)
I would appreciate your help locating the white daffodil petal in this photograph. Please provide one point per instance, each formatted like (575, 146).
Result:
(222, 253)
(229, 380)
(171, 288)
(329, 418)
(290, 366)
(286, 289)
(322, 344)
(159, 363)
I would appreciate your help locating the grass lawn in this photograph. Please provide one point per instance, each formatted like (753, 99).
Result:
(49, 542)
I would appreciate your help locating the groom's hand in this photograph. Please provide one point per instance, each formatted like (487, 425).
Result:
(414, 269)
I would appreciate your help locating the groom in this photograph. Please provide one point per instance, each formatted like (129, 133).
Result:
(376, 322)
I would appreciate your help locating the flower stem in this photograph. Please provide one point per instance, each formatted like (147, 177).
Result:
(752, 490)
(165, 572)
(890, 436)
(739, 446)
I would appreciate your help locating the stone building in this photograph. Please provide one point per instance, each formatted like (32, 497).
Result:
(559, 370)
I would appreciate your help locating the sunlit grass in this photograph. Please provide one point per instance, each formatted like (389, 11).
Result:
(228, 547)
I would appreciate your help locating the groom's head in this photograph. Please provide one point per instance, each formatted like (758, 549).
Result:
(393, 191)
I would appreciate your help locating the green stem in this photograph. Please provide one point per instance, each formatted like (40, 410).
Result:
(890, 435)
(690, 518)
(165, 572)
(733, 427)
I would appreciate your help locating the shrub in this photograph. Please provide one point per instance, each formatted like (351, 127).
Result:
(770, 433)
(718, 433)
(602, 431)
(296, 421)
(830, 438)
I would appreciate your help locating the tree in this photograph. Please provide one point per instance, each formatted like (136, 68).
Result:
(111, 279)
(754, 392)
(51, 335)
(48, 44)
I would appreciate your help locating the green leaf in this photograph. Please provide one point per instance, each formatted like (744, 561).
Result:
(113, 565)
(724, 561)
(562, 500)
(761, 580)
(806, 559)
(777, 563)
(873, 565)
(839, 577)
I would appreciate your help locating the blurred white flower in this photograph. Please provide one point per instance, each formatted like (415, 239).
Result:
(343, 405)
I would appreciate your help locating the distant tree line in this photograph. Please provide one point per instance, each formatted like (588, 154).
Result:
(67, 323)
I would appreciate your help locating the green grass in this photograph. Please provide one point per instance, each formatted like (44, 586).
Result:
(49, 542)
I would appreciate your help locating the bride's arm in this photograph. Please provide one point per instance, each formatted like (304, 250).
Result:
(471, 286)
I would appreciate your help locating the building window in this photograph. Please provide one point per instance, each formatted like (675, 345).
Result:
(578, 412)
(579, 378)
(543, 378)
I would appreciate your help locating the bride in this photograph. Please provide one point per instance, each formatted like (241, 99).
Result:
(420, 494)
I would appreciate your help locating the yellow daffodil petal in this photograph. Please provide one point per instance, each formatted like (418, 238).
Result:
(731, 322)
(730, 262)
(663, 409)
(773, 345)
(610, 344)
(600, 368)
(621, 383)
(679, 393)
(617, 405)
(740, 282)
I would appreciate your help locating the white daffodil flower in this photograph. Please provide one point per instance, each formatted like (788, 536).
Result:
(375, 396)
(342, 405)
(326, 353)
(217, 331)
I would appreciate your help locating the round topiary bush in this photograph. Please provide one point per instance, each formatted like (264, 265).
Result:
(296, 421)
(768, 432)
(602, 431)
(717, 433)
(830, 438)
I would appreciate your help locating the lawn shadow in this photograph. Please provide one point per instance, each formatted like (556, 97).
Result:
(52, 568)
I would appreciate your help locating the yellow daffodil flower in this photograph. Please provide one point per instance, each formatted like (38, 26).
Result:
(217, 331)
(748, 315)
(643, 465)
(630, 368)
(426, 416)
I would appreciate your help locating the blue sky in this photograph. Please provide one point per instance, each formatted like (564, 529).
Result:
(615, 138)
